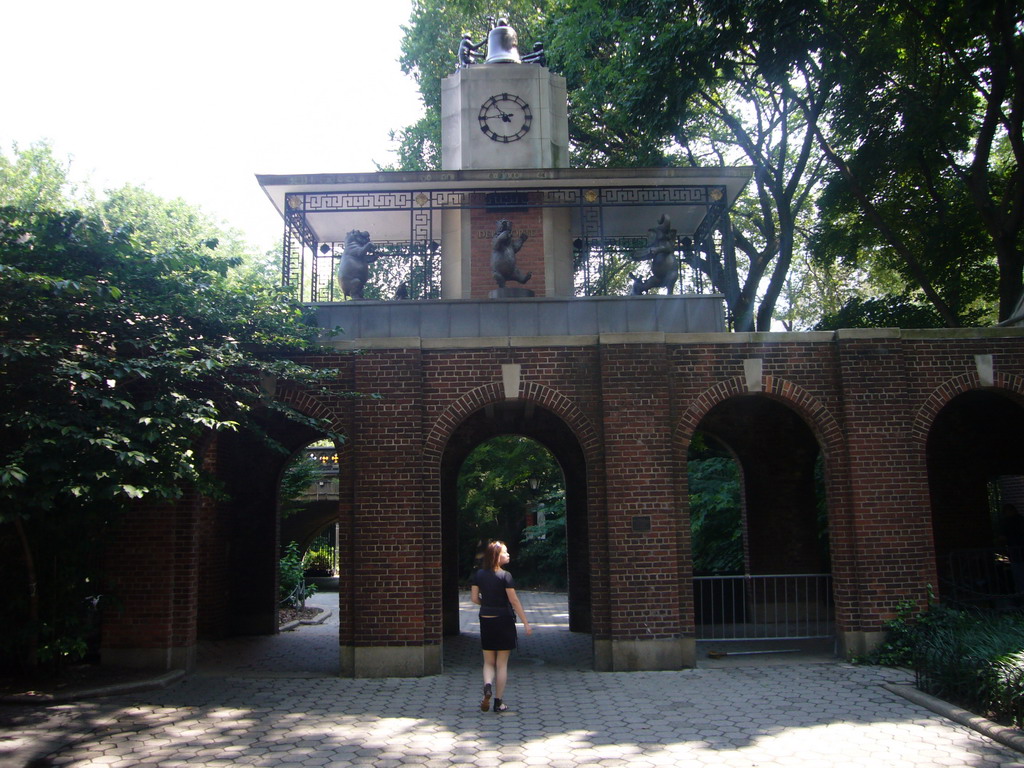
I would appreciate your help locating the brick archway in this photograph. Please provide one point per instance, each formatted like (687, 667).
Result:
(944, 394)
(967, 432)
(548, 417)
(489, 394)
(813, 412)
(823, 428)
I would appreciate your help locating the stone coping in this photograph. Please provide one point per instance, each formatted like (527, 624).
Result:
(481, 324)
(484, 321)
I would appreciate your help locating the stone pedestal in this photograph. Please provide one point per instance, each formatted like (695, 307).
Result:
(511, 293)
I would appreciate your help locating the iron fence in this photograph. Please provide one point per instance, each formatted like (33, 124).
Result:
(410, 267)
(777, 607)
(986, 577)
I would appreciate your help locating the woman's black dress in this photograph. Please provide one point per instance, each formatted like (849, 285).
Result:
(497, 617)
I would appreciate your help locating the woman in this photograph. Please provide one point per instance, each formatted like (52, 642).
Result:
(494, 591)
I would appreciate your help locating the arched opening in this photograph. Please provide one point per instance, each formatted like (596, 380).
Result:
(526, 420)
(308, 496)
(239, 537)
(511, 488)
(976, 478)
(759, 526)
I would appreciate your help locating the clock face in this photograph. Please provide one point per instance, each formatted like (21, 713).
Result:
(505, 118)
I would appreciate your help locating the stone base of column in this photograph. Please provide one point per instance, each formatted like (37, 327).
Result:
(644, 655)
(390, 661)
(856, 643)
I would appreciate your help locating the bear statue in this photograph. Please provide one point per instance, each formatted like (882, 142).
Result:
(353, 271)
(661, 252)
(503, 255)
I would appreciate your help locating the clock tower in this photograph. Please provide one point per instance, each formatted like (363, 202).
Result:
(498, 117)
(504, 116)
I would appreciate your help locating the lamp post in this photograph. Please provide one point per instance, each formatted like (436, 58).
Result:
(531, 513)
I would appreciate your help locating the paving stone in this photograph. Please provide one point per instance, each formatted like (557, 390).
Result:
(275, 702)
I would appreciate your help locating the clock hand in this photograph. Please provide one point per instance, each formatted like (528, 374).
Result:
(505, 117)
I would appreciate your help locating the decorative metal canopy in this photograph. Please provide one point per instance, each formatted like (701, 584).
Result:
(403, 211)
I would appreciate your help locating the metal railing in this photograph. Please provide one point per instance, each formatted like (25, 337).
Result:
(409, 266)
(403, 270)
(777, 607)
(983, 577)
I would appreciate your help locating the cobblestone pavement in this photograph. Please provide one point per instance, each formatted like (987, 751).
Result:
(277, 702)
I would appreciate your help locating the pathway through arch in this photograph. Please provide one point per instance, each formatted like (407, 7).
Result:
(311, 650)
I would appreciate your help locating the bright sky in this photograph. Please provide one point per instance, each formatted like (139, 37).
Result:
(192, 98)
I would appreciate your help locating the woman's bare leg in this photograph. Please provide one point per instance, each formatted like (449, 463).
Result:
(490, 661)
(500, 672)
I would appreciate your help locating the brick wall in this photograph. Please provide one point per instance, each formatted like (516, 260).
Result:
(633, 408)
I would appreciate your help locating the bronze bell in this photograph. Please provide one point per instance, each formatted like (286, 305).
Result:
(502, 45)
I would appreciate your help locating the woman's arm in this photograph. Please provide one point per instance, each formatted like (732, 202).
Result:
(475, 595)
(513, 598)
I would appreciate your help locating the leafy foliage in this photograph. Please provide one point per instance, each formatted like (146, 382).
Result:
(881, 312)
(292, 587)
(972, 658)
(715, 516)
(116, 357)
(35, 179)
(494, 496)
(658, 83)
(716, 523)
(318, 559)
(924, 140)
(904, 632)
(544, 549)
(298, 476)
(123, 344)
(977, 660)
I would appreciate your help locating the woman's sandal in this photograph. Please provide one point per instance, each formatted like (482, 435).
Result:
(486, 703)
(500, 706)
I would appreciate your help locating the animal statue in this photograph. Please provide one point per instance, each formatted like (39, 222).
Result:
(353, 271)
(503, 255)
(468, 51)
(661, 252)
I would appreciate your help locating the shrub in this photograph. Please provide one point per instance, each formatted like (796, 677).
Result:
(977, 661)
(905, 632)
(293, 588)
(968, 657)
(319, 560)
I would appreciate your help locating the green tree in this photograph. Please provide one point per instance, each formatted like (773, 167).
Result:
(544, 547)
(922, 132)
(301, 473)
(716, 523)
(890, 311)
(925, 144)
(35, 178)
(913, 106)
(815, 289)
(494, 494)
(160, 223)
(657, 71)
(118, 351)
